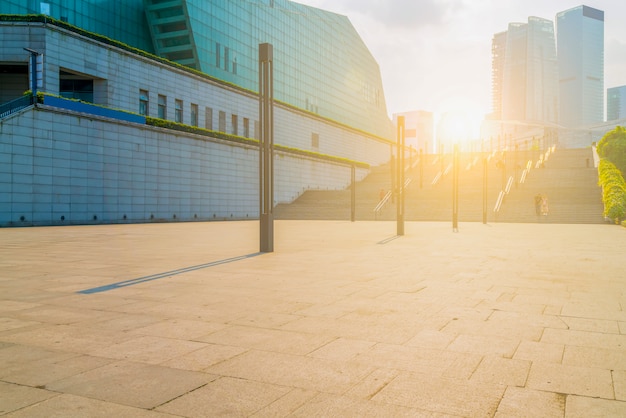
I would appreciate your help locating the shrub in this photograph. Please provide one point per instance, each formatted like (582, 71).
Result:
(612, 147)
(613, 190)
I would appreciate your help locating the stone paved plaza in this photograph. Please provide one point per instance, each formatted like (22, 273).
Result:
(341, 320)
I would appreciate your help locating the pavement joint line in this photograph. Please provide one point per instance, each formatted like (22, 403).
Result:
(170, 273)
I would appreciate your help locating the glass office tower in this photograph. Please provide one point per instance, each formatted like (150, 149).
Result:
(580, 46)
(616, 103)
(525, 72)
(321, 65)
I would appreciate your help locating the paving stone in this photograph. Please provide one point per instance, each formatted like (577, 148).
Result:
(440, 395)
(523, 402)
(133, 384)
(539, 352)
(601, 358)
(14, 397)
(584, 407)
(66, 405)
(293, 371)
(586, 381)
(36, 367)
(329, 405)
(502, 371)
(226, 397)
(289, 342)
(150, 350)
(584, 338)
(485, 345)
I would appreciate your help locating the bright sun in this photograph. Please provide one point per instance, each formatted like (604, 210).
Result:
(459, 122)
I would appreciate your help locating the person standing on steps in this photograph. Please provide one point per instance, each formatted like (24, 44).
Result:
(544, 206)
(538, 199)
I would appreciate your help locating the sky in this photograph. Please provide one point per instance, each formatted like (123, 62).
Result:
(435, 55)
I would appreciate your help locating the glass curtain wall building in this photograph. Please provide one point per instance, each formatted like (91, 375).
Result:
(616, 103)
(527, 77)
(321, 65)
(580, 45)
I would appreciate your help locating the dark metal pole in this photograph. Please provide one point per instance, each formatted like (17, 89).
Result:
(455, 189)
(266, 147)
(400, 182)
(353, 195)
(485, 165)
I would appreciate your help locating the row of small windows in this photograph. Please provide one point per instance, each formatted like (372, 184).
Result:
(144, 109)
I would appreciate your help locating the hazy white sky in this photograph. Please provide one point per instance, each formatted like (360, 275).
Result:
(435, 55)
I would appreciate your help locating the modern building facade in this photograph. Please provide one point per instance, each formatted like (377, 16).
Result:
(419, 128)
(187, 151)
(321, 63)
(525, 96)
(580, 46)
(525, 72)
(616, 103)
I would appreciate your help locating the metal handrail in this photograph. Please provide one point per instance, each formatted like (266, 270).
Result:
(387, 196)
(15, 105)
(382, 202)
(499, 202)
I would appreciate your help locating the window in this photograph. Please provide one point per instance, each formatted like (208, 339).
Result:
(246, 127)
(218, 55)
(178, 111)
(143, 102)
(234, 124)
(75, 88)
(226, 58)
(194, 114)
(222, 121)
(162, 107)
(235, 66)
(315, 140)
(208, 118)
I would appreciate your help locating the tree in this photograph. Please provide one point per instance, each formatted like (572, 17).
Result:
(612, 146)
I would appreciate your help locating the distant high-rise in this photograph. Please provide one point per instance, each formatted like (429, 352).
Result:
(498, 54)
(525, 73)
(580, 46)
(616, 103)
(418, 129)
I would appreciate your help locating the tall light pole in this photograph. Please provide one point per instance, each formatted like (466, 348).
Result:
(266, 147)
(400, 176)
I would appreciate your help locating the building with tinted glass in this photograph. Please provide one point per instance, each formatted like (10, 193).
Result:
(164, 111)
(616, 103)
(525, 72)
(580, 45)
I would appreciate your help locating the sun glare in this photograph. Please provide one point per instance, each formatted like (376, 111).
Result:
(459, 122)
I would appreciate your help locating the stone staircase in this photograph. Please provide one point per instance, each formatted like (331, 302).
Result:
(567, 181)
(570, 182)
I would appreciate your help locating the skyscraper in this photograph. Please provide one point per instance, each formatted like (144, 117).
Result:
(525, 72)
(580, 46)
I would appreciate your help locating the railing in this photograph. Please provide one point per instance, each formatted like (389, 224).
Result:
(529, 165)
(379, 207)
(502, 194)
(15, 105)
(382, 202)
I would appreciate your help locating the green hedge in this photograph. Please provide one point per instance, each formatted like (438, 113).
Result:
(613, 190)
